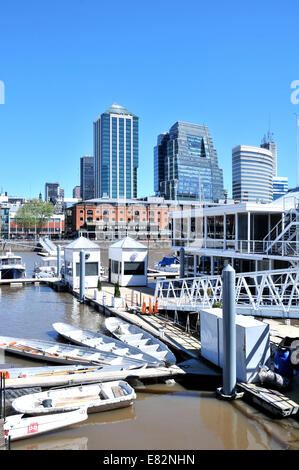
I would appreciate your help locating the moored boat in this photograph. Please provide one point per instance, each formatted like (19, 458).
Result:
(95, 397)
(11, 266)
(169, 265)
(104, 343)
(46, 371)
(17, 427)
(51, 351)
(137, 337)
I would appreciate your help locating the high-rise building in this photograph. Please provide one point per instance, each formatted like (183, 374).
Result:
(116, 153)
(55, 194)
(252, 171)
(280, 186)
(186, 164)
(87, 177)
(76, 192)
(269, 144)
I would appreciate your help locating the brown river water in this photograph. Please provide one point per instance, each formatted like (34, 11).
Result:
(164, 416)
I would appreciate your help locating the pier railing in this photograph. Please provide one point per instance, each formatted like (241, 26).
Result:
(262, 293)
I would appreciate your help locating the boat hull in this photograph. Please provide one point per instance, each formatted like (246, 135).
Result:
(96, 398)
(16, 427)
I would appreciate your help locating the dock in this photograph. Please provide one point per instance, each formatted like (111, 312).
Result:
(28, 280)
(56, 380)
(271, 401)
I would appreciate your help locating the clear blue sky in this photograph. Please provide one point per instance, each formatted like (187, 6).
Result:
(227, 65)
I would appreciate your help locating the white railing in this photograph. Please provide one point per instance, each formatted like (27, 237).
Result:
(266, 247)
(263, 293)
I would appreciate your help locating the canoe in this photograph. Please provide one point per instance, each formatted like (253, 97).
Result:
(23, 372)
(137, 337)
(16, 427)
(103, 343)
(51, 351)
(95, 397)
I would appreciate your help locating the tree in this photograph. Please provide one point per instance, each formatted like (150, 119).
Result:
(117, 290)
(34, 214)
(99, 284)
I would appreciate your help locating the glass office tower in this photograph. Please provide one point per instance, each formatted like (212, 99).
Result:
(186, 164)
(87, 177)
(116, 153)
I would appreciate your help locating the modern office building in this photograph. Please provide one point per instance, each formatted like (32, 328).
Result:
(252, 174)
(86, 177)
(55, 194)
(280, 186)
(186, 164)
(116, 153)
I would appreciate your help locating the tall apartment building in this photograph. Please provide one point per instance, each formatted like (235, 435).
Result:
(186, 164)
(116, 153)
(86, 177)
(252, 174)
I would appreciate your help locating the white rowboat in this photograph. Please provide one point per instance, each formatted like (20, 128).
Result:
(46, 371)
(65, 353)
(96, 397)
(103, 343)
(137, 337)
(16, 427)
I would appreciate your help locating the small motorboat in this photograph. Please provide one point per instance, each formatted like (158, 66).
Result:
(137, 337)
(64, 353)
(95, 397)
(17, 427)
(103, 343)
(169, 265)
(11, 266)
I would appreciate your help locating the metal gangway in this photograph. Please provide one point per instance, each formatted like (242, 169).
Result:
(271, 294)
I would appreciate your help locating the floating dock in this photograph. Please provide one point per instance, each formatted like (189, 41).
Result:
(271, 401)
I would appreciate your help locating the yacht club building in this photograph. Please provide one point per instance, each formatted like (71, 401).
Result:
(250, 236)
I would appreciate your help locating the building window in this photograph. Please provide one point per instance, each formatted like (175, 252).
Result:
(91, 269)
(134, 268)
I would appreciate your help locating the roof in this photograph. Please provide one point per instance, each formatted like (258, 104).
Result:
(127, 242)
(81, 243)
(117, 109)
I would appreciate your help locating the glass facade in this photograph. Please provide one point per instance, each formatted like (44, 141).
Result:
(280, 186)
(116, 153)
(186, 165)
(86, 178)
(252, 174)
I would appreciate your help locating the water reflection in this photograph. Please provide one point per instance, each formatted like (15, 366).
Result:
(164, 416)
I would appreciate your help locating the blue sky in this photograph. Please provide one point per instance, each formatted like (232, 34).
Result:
(223, 64)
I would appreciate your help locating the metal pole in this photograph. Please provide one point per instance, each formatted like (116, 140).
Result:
(58, 260)
(229, 331)
(229, 335)
(182, 263)
(82, 275)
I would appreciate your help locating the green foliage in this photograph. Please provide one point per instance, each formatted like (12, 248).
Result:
(35, 213)
(99, 284)
(217, 305)
(117, 290)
